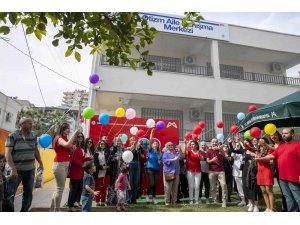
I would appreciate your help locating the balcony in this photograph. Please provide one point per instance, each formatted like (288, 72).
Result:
(178, 67)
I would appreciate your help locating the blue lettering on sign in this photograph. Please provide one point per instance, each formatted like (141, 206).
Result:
(153, 19)
(178, 28)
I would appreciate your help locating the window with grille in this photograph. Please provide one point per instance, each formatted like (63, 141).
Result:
(228, 120)
(165, 63)
(165, 114)
(229, 71)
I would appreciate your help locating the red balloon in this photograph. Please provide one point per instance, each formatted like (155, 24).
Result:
(255, 132)
(196, 137)
(197, 130)
(188, 136)
(251, 108)
(220, 124)
(140, 133)
(201, 124)
(234, 129)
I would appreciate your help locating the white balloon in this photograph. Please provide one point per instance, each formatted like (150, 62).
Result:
(127, 156)
(150, 123)
(133, 130)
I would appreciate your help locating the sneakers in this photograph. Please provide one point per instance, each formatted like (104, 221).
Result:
(224, 204)
(191, 202)
(154, 201)
(242, 203)
(167, 203)
(72, 209)
(196, 202)
(207, 201)
(98, 204)
(147, 199)
(251, 207)
(255, 209)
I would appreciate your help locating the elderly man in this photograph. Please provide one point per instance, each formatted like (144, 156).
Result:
(20, 152)
(287, 156)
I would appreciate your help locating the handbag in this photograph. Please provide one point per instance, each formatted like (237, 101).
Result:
(169, 176)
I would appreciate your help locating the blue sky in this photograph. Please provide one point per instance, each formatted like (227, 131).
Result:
(17, 77)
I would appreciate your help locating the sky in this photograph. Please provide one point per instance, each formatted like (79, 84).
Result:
(17, 77)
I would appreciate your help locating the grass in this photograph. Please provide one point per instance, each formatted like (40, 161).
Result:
(184, 206)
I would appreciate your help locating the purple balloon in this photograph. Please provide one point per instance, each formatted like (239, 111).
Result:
(160, 125)
(94, 78)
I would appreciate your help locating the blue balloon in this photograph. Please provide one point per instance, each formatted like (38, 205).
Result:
(45, 140)
(220, 137)
(103, 118)
(241, 116)
(124, 138)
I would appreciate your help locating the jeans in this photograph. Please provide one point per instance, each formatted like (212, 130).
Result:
(75, 191)
(204, 180)
(27, 179)
(134, 179)
(194, 184)
(291, 192)
(87, 203)
(153, 180)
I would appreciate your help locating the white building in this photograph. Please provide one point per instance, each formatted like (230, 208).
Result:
(9, 109)
(75, 98)
(210, 72)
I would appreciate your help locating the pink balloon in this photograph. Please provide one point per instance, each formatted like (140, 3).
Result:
(130, 114)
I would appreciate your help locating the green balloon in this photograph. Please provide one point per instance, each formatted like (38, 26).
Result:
(88, 113)
(247, 135)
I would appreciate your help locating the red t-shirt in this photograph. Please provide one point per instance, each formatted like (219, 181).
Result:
(121, 185)
(62, 153)
(217, 166)
(288, 161)
(193, 161)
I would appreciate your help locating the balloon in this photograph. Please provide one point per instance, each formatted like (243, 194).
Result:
(241, 116)
(270, 129)
(127, 156)
(150, 123)
(103, 118)
(188, 136)
(160, 125)
(201, 124)
(255, 132)
(123, 138)
(133, 130)
(130, 113)
(234, 129)
(45, 140)
(120, 112)
(88, 113)
(251, 108)
(197, 129)
(94, 78)
(247, 135)
(220, 124)
(140, 133)
(196, 137)
(145, 141)
(220, 137)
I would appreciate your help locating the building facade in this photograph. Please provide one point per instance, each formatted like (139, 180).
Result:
(75, 99)
(210, 73)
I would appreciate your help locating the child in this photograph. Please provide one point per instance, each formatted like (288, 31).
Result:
(88, 192)
(2, 164)
(120, 188)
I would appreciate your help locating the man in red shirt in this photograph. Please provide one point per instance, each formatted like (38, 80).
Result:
(214, 158)
(287, 156)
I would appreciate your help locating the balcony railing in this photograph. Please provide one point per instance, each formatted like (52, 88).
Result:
(259, 77)
(171, 67)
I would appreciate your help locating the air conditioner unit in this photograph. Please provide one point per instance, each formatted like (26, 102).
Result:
(277, 68)
(189, 60)
(196, 114)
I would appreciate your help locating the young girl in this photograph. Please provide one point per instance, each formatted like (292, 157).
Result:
(88, 192)
(120, 188)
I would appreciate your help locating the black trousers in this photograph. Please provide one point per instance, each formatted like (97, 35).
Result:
(204, 182)
(153, 176)
(75, 191)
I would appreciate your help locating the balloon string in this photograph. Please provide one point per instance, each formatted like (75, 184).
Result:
(121, 128)
(100, 132)
(112, 127)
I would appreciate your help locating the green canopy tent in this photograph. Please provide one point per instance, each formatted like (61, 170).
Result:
(284, 112)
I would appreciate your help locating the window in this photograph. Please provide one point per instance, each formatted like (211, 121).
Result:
(9, 117)
(165, 63)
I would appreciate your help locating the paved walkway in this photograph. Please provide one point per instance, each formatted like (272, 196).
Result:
(42, 196)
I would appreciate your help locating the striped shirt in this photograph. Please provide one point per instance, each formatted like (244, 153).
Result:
(23, 149)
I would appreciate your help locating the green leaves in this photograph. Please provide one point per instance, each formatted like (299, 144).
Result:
(29, 30)
(55, 42)
(4, 30)
(77, 56)
(68, 52)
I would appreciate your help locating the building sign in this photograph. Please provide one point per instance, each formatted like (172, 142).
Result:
(172, 24)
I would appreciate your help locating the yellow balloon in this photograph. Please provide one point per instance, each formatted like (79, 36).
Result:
(270, 129)
(120, 112)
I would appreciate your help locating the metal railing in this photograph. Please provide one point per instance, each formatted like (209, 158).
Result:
(259, 77)
(170, 67)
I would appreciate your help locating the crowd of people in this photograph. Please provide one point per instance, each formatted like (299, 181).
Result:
(98, 173)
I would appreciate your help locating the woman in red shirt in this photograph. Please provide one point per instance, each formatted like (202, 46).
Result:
(62, 148)
(265, 176)
(194, 156)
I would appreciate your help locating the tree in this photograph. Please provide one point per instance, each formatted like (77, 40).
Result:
(116, 33)
(44, 121)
